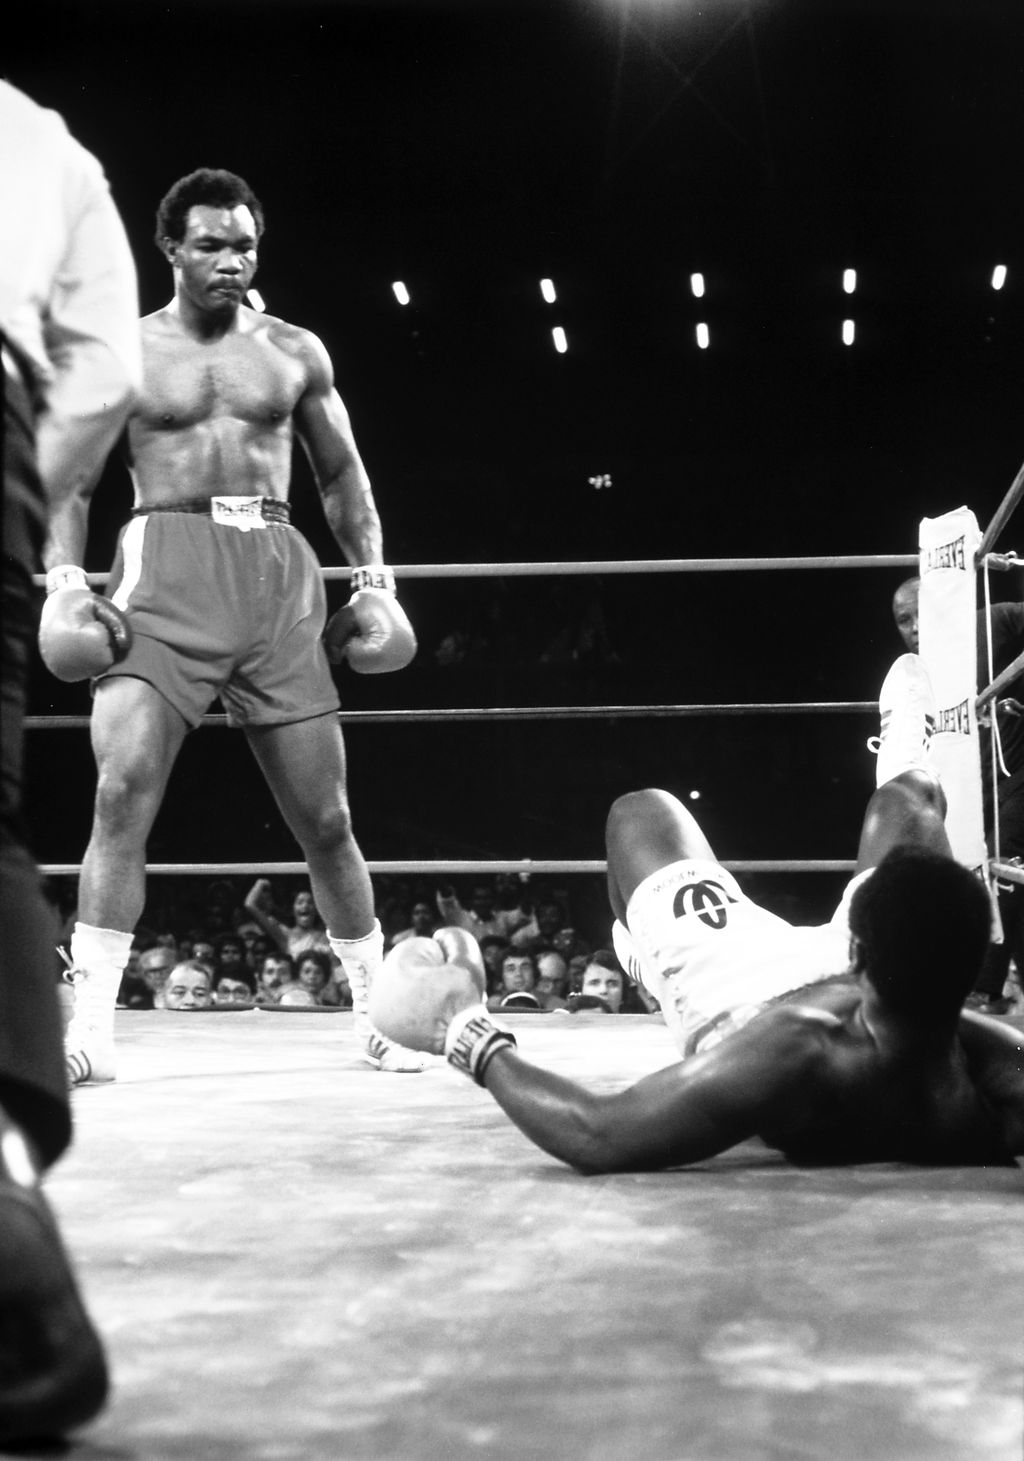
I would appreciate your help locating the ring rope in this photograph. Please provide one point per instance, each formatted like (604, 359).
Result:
(529, 712)
(623, 565)
(1010, 872)
(527, 865)
(1000, 682)
(627, 566)
(1002, 514)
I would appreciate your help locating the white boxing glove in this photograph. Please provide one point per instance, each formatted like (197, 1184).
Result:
(460, 947)
(372, 631)
(429, 995)
(81, 634)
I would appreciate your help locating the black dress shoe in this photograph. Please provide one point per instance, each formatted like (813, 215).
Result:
(53, 1372)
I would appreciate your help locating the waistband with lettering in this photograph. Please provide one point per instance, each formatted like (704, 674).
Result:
(270, 509)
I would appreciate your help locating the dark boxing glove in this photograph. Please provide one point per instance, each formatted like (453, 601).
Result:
(371, 631)
(81, 634)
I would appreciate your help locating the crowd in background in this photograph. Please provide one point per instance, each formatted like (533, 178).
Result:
(226, 943)
(267, 945)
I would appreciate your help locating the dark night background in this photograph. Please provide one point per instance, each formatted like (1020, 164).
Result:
(471, 149)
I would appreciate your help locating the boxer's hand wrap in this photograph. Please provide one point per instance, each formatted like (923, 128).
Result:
(375, 575)
(473, 1039)
(67, 575)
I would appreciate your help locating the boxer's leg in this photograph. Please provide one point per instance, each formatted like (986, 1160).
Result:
(136, 736)
(909, 810)
(645, 831)
(304, 764)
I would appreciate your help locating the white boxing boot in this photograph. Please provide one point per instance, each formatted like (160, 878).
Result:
(360, 958)
(907, 709)
(99, 957)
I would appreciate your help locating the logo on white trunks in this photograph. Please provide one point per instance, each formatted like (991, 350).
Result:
(707, 899)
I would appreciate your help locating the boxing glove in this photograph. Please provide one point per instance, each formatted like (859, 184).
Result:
(460, 947)
(371, 631)
(429, 995)
(81, 634)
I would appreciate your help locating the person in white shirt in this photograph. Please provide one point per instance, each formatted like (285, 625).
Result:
(71, 350)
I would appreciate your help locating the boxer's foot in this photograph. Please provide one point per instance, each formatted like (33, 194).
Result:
(89, 1055)
(384, 1054)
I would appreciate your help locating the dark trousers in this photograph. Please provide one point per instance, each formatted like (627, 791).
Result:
(33, 1087)
(1011, 898)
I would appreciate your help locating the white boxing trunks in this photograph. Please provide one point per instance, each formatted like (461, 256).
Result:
(713, 959)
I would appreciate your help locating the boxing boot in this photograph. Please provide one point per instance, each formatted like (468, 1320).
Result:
(361, 959)
(98, 959)
(907, 709)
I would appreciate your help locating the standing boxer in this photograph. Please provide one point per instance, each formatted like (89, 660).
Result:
(69, 333)
(224, 597)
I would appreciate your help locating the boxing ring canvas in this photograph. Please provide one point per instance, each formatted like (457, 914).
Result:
(294, 1257)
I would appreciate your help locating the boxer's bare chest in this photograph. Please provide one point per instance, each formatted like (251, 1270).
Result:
(245, 378)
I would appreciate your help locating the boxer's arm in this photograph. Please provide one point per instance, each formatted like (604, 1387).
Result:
(995, 1061)
(685, 1113)
(371, 631)
(323, 426)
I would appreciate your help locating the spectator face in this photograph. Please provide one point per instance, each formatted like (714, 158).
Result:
(249, 933)
(482, 903)
(216, 917)
(232, 991)
(203, 949)
(154, 967)
(904, 611)
(507, 889)
(518, 974)
(260, 950)
(565, 942)
(422, 919)
(304, 910)
(552, 974)
(606, 984)
(232, 954)
(274, 973)
(549, 919)
(187, 989)
(493, 956)
(311, 976)
(577, 969)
